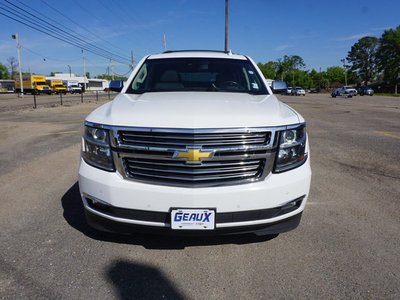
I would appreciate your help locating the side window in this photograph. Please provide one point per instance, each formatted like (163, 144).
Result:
(253, 84)
(137, 84)
(246, 76)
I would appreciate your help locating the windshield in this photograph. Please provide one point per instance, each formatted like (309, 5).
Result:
(197, 74)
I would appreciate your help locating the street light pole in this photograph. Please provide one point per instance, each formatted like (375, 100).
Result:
(19, 64)
(69, 70)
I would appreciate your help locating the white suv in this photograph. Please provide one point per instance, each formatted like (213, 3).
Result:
(195, 143)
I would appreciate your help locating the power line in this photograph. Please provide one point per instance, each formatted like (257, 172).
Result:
(115, 68)
(122, 20)
(56, 37)
(77, 42)
(77, 24)
(69, 36)
(123, 75)
(127, 37)
(48, 58)
(66, 38)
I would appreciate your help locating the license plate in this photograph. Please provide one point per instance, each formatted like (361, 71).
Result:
(195, 219)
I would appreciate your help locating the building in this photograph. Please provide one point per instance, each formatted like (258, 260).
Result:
(6, 85)
(91, 84)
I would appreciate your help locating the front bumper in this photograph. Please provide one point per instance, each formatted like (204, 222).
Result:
(118, 205)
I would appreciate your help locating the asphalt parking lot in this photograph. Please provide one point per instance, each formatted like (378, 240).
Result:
(346, 247)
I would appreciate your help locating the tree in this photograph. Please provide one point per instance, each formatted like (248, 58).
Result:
(286, 67)
(109, 77)
(303, 79)
(362, 56)
(388, 56)
(268, 69)
(335, 74)
(324, 83)
(87, 75)
(12, 66)
(314, 75)
(297, 62)
(4, 74)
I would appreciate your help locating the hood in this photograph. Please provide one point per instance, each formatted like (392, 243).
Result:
(194, 110)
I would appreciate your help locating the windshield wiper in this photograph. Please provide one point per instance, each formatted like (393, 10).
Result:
(212, 89)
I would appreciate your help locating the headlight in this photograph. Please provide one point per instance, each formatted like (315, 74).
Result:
(96, 148)
(292, 149)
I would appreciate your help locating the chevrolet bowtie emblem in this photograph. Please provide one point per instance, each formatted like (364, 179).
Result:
(193, 155)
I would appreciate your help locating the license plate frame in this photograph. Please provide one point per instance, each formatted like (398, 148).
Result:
(192, 219)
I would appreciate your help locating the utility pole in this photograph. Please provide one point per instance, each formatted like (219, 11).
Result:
(112, 69)
(69, 70)
(165, 44)
(132, 60)
(84, 69)
(226, 25)
(293, 78)
(19, 64)
(345, 73)
(319, 83)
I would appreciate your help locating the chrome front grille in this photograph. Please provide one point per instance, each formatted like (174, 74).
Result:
(181, 140)
(178, 172)
(236, 156)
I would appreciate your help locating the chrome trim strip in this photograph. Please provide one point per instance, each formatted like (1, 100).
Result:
(197, 130)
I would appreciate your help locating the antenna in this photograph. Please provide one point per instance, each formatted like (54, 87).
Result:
(226, 25)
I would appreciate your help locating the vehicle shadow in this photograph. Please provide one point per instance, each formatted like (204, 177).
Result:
(138, 281)
(74, 214)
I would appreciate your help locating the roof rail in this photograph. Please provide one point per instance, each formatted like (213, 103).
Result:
(174, 51)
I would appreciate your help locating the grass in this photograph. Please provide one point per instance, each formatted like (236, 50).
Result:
(387, 94)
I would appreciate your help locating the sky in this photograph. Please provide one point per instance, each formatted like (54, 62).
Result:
(55, 32)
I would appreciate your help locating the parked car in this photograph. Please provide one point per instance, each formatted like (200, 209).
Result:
(289, 90)
(346, 90)
(314, 91)
(336, 94)
(300, 91)
(297, 91)
(365, 90)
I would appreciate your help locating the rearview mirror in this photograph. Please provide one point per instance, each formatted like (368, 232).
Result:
(116, 85)
(278, 86)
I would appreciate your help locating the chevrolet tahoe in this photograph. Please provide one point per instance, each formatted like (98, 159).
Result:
(195, 143)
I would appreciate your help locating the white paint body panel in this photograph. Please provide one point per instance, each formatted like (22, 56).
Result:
(276, 190)
(195, 110)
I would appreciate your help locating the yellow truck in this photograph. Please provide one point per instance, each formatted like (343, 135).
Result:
(32, 84)
(57, 86)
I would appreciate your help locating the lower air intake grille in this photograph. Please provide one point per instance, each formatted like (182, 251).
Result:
(207, 173)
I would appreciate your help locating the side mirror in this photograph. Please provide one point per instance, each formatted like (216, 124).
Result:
(278, 86)
(116, 85)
